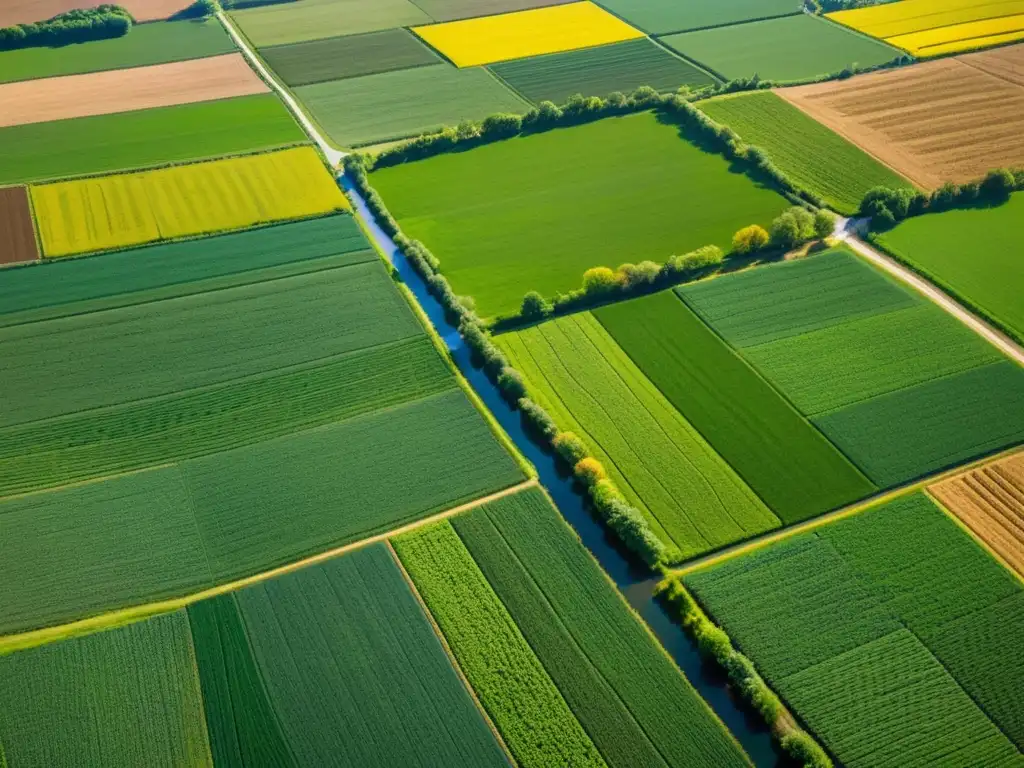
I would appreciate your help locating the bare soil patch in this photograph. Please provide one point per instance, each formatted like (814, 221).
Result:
(990, 501)
(27, 11)
(17, 237)
(947, 120)
(126, 90)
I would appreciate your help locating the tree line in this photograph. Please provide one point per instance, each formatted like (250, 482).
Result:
(79, 26)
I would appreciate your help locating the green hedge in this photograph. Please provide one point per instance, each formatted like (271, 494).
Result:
(80, 26)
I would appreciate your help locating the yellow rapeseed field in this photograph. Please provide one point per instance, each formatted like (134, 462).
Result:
(134, 208)
(490, 39)
(935, 27)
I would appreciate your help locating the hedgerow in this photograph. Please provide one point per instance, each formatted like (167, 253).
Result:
(76, 26)
(715, 644)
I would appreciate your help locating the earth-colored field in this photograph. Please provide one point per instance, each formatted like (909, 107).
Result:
(491, 39)
(621, 67)
(17, 235)
(318, 61)
(283, 23)
(815, 158)
(788, 49)
(135, 208)
(144, 45)
(973, 254)
(890, 633)
(534, 213)
(102, 93)
(939, 121)
(146, 137)
(27, 11)
(990, 501)
(663, 17)
(450, 10)
(394, 105)
(937, 27)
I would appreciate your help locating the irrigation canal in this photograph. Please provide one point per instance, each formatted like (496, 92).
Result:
(634, 580)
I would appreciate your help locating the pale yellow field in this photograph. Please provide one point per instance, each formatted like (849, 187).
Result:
(490, 39)
(135, 208)
(937, 27)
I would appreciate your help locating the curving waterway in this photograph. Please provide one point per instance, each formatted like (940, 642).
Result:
(634, 580)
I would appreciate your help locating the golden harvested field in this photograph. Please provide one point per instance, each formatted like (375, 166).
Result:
(134, 208)
(948, 120)
(491, 39)
(25, 11)
(990, 501)
(125, 90)
(936, 27)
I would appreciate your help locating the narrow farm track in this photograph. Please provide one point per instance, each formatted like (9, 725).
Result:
(112, 619)
(830, 517)
(846, 231)
(333, 155)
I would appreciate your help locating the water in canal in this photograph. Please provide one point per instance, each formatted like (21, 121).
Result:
(634, 580)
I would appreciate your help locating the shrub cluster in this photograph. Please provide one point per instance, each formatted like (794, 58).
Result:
(715, 644)
(887, 207)
(627, 522)
(77, 26)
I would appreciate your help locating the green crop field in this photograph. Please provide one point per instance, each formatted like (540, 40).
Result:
(758, 306)
(449, 10)
(512, 684)
(692, 498)
(145, 44)
(850, 362)
(181, 268)
(622, 67)
(789, 49)
(283, 23)
(903, 435)
(814, 157)
(860, 628)
(318, 61)
(971, 254)
(395, 105)
(621, 189)
(149, 137)
(665, 16)
(351, 629)
(537, 564)
(125, 697)
(781, 456)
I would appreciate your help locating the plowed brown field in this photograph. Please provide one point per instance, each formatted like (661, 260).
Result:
(17, 237)
(990, 501)
(947, 120)
(125, 90)
(26, 11)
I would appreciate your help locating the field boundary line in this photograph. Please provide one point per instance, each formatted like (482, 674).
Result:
(333, 155)
(129, 615)
(772, 537)
(451, 655)
(933, 293)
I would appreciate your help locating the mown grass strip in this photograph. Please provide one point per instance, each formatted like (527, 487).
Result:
(240, 720)
(127, 697)
(355, 672)
(690, 495)
(672, 714)
(518, 694)
(781, 456)
(814, 157)
(611, 726)
(149, 137)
